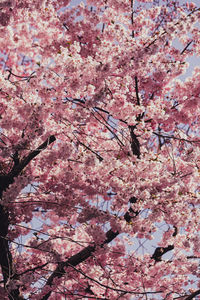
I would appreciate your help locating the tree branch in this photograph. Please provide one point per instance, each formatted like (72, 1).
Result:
(137, 91)
(5, 254)
(186, 47)
(85, 253)
(17, 169)
(76, 259)
(5, 181)
(135, 145)
(160, 251)
(192, 295)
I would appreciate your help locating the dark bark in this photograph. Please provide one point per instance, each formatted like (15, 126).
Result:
(137, 90)
(76, 260)
(131, 213)
(88, 251)
(25, 161)
(160, 251)
(190, 297)
(83, 254)
(135, 145)
(5, 181)
(5, 256)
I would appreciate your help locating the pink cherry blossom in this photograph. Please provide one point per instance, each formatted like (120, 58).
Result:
(99, 149)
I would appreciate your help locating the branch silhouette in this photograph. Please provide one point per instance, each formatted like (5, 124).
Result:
(5, 254)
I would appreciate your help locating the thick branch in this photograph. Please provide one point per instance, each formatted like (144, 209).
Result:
(5, 254)
(84, 254)
(135, 145)
(160, 251)
(88, 251)
(192, 295)
(132, 20)
(17, 170)
(5, 181)
(131, 213)
(76, 259)
(137, 91)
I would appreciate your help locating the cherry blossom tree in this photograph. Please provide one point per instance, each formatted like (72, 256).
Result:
(100, 158)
